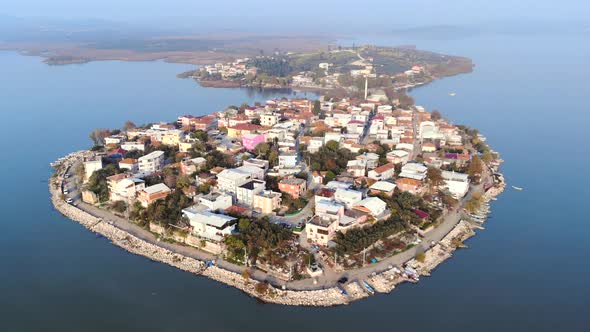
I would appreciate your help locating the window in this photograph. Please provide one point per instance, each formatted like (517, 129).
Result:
(321, 231)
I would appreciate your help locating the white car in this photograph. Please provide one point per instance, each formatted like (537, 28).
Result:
(66, 192)
(69, 201)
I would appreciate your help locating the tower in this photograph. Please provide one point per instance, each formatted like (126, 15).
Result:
(366, 87)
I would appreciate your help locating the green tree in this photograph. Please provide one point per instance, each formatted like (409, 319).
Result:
(243, 224)
(262, 149)
(333, 145)
(317, 107)
(273, 158)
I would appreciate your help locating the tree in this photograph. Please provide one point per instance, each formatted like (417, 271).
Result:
(129, 125)
(406, 101)
(475, 169)
(273, 158)
(255, 121)
(243, 224)
(330, 176)
(317, 107)
(243, 107)
(98, 135)
(200, 135)
(435, 115)
(119, 206)
(333, 145)
(261, 287)
(421, 257)
(406, 200)
(435, 179)
(98, 181)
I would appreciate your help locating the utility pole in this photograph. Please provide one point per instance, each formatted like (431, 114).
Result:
(245, 257)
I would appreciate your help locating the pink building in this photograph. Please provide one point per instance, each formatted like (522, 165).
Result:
(249, 141)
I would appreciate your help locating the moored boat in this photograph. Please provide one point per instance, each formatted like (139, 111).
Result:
(368, 287)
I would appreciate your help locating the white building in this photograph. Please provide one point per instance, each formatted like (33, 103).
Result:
(348, 197)
(456, 183)
(414, 171)
(209, 225)
(383, 187)
(356, 167)
(338, 185)
(230, 179)
(216, 201)
(115, 139)
(398, 157)
(125, 189)
(373, 205)
(91, 166)
(288, 160)
(255, 172)
(260, 163)
(245, 193)
(133, 146)
(332, 136)
(321, 230)
(152, 162)
(372, 159)
(383, 172)
(269, 120)
(315, 144)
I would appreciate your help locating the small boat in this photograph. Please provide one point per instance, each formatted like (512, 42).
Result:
(452, 94)
(412, 274)
(368, 287)
(517, 188)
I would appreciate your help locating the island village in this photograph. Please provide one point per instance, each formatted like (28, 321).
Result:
(294, 201)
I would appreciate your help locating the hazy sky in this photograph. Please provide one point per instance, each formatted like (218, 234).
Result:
(304, 11)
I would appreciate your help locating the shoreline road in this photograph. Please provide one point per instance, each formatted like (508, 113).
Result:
(329, 279)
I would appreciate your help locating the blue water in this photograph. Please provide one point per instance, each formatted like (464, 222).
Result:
(527, 271)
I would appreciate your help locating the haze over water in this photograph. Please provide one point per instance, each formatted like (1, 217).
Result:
(527, 271)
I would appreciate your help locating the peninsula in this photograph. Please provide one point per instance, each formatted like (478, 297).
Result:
(294, 201)
(342, 71)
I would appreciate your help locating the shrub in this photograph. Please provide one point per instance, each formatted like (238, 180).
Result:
(421, 257)
(261, 287)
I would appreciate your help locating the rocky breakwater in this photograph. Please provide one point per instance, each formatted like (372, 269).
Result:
(123, 239)
(259, 289)
(267, 293)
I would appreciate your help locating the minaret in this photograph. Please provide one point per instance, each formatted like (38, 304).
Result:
(366, 87)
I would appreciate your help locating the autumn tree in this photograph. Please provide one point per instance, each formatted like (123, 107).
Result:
(406, 101)
(128, 126)
(98, 135)
(475, 169)
(435, 179)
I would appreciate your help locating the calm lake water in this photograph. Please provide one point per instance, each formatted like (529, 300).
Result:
(527, 271)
